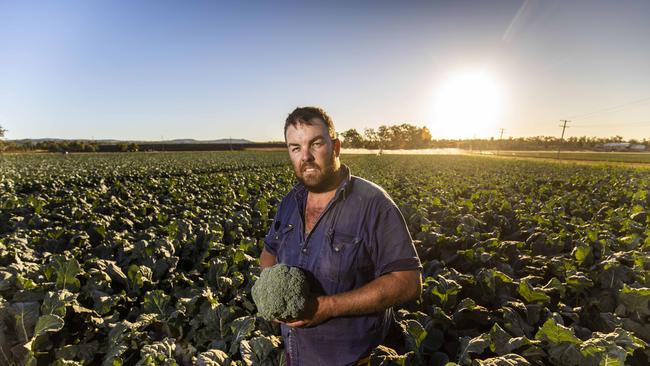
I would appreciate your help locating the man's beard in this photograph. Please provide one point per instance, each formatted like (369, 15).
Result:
(322, 179)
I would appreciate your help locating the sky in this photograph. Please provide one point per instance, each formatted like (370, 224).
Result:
(151, 70)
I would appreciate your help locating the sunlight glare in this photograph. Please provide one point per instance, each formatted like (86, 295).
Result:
(467, 105)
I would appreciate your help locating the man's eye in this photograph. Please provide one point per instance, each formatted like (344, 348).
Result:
(317, 144)
(295, 149)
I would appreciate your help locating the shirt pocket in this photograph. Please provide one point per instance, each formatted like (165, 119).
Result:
(340, 262)
(282, 238)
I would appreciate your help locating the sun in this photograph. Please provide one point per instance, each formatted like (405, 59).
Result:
(467, 105)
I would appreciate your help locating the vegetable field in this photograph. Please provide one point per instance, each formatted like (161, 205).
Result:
(623, 157)
(149, 259)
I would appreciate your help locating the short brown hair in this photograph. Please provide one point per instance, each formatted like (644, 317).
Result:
(304, 115)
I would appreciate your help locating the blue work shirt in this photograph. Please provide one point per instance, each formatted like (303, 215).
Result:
(360, 236)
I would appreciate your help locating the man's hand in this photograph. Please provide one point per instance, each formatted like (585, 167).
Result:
(317, 311)
(383, 292)
(267, 259)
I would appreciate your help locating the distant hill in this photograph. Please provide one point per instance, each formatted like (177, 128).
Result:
(193, 141)
(111, 141)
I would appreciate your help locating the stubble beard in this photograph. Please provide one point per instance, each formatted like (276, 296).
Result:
(323, 179)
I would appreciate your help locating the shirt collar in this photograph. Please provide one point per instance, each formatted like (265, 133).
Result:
(346, 183)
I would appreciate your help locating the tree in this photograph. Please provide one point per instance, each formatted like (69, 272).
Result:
(372, 139)
(352, 138)
(425, 137)
(384, 134)
(123, 147)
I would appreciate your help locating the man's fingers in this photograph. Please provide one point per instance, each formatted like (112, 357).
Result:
(297, 324)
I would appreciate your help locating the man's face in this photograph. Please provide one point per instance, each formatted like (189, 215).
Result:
(314, 155)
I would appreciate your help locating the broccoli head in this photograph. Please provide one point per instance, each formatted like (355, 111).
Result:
(281, 292)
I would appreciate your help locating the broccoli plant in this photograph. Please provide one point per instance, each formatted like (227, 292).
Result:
(281, 292)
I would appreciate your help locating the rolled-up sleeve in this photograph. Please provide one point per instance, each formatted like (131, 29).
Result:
(392, 248)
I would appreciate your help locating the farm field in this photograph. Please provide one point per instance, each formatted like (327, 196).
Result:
(149, 258)
(622, 157)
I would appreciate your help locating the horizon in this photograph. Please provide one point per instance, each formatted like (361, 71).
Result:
(152, 71)
(243, 140)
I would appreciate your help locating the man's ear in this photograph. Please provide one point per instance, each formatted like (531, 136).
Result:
(337, 147)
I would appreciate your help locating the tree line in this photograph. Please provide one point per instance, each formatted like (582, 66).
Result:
(403, 136)
(407, 136)
(399, 136)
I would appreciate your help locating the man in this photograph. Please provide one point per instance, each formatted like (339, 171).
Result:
(351, 240)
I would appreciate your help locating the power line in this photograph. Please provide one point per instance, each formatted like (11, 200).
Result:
(559, 146)
(613, 123)
(500, 138)
(611, 109)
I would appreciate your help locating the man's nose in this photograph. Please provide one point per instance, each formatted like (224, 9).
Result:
(307, 155)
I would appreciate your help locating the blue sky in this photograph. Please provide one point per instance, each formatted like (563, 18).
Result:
(146, 70)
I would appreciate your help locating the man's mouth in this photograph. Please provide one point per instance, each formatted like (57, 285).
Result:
(309, 169)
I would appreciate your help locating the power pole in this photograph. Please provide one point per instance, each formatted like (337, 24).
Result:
(500, 138)
(562, 138)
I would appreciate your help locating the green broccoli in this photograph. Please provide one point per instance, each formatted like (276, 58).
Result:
(281, 292)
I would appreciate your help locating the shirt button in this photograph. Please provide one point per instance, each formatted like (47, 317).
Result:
(336, 249)
(304, 250)
(277, 237)
(290, 226)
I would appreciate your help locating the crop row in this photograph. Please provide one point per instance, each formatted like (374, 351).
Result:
(149, 259)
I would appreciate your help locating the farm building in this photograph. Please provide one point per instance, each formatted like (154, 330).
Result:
(621, 146)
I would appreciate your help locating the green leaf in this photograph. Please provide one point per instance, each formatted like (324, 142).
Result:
(416, 333)
(444, 289)
(493, 278)
(556, 333)
(472, 346)
(239, 256)
(510, 359)
(213, 357)
(582, 253)
(66, 271)
(579, 282)
(636, 300)
(258, 350)
(241, 328)
(515, 324)
(499, 340)
(156, 302)
(158, 353)
(63, 362)
(25, 315)
(383, 355)
(138, 276)
(592, 235)
(530, 294)
(56, 302)
(82, 351)
(600, 351)
(518, 342)
(48, 323)
(565, 354)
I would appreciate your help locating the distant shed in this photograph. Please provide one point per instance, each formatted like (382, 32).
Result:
(638, 147)
(621, 146)
(616, 146)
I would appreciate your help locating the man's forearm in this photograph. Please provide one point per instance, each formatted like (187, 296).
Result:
(383, 292)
